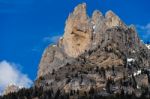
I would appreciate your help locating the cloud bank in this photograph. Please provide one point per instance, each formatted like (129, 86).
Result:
(9, 74)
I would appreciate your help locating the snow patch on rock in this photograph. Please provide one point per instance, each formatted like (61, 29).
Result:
(130, 60)
(148, 46)
(137, 73)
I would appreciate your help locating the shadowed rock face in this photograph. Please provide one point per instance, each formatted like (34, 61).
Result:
(90, 43)
(53, 58)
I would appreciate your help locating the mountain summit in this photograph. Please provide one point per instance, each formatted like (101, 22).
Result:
(92, 52)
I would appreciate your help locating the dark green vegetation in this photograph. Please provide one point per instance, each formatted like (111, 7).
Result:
(39, 93)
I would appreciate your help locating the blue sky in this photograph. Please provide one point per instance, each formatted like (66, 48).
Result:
(28, 26)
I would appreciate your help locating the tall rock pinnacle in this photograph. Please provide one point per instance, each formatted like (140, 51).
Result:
(78, 32)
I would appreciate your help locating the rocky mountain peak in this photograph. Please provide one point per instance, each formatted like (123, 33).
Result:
(91, 51)
(83, 34)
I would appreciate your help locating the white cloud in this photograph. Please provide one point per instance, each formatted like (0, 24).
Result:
(53, 39)
(144, 31)
(9, 74)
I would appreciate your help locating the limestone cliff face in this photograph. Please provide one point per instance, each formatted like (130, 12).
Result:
(90, 46)
(78, 32)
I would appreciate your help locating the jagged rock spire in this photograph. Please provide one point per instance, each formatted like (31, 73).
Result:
(110, 14)
(78, 32)
(80, 9)
(96, 15)
(113, 20)
(82, 32)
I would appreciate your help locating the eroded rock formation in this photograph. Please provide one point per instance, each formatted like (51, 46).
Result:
(88, 49)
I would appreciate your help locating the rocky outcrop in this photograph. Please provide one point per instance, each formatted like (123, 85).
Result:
(11, 89)
(92, 51)
(52, 59)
